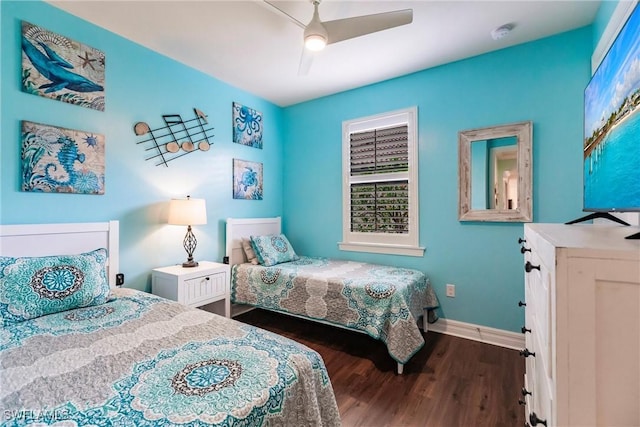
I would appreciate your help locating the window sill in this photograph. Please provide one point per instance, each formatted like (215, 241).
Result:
(379, 248)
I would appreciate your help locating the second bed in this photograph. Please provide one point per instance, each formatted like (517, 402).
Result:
(382, 301)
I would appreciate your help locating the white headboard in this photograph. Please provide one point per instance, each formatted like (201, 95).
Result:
(237, 228)
(32, 240)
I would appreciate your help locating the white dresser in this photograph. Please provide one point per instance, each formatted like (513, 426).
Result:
(582, 325)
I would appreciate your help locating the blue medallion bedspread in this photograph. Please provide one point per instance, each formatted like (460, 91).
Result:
(140, 360)
(384, 302)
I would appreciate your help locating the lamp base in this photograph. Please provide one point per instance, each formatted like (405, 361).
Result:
(191, 263)
(189, 246)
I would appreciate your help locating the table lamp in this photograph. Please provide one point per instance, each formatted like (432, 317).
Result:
(188, 212)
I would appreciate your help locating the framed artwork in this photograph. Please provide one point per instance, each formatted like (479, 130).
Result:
(247, 126)
(59, 160)
(247, 180)
(59, 68)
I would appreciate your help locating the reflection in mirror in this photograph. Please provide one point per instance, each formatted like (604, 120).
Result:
(495, 173)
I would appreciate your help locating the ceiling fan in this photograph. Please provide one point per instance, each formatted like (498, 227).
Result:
(318, 34)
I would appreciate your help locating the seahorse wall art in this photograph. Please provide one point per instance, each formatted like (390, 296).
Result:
(58, 160)
(247, 180)
(59, 68)
(247, 126)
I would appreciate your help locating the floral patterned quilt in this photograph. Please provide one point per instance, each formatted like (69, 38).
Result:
(140, 360)
(384, 302)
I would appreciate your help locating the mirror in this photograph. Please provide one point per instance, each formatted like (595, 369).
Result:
(495, 168)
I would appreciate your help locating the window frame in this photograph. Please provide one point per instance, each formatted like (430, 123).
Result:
(383, 243)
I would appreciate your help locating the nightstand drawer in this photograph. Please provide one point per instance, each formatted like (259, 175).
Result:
(203, 290)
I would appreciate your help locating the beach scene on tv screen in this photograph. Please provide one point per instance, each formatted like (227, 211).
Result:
(612, 125)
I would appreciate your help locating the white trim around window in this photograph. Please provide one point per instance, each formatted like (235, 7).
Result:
(394, 243)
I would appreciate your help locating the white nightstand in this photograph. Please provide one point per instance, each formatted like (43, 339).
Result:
(195, 286)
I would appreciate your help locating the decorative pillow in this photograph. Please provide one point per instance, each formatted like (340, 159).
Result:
(31, 287)
(248, 251)
(273, 249)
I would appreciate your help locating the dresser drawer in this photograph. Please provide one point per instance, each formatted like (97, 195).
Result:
(538, 310)
(542, 394)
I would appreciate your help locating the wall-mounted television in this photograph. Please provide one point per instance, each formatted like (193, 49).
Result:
(611, 168)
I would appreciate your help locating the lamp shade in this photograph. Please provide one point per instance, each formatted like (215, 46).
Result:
(187, 212)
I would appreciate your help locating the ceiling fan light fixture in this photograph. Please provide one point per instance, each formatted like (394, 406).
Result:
(315, 35)
(315, 42)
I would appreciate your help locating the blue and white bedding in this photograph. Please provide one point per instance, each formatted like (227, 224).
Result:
(140, 360)
(384, 302)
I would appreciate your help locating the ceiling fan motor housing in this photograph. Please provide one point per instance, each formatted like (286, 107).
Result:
(315, 35)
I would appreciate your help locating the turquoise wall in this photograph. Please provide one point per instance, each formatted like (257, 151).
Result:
(141, 85)
(541, 81)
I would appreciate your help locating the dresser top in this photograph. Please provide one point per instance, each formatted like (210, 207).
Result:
(588, 236)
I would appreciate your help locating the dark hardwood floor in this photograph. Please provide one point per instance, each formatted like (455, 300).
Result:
(450, 382)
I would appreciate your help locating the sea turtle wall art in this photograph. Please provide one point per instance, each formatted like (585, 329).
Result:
(59, 160)
(57, 67)
(247, 180)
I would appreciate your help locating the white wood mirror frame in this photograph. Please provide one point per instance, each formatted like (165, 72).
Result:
(522, 211)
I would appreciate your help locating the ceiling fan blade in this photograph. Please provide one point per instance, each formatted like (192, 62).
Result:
(305, 62)
(272, 7)
(348, 28)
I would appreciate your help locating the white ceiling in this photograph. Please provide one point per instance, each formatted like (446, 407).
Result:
(245, 44)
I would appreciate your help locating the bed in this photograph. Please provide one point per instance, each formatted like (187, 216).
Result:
(132, 358)
(384, 302)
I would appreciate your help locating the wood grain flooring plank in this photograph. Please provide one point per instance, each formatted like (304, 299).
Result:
(450, 382)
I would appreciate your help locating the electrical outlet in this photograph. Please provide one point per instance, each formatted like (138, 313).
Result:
(451, 290)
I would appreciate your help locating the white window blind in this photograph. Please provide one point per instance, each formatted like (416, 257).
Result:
(380, 206)
(380, 150)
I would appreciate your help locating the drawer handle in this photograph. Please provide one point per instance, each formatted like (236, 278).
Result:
(528, 267)
(527, 353)
(525, 392)
(523, 250)
(521, 240)
(207, 278)
(534, 420)
(525, 330)
(521, 304)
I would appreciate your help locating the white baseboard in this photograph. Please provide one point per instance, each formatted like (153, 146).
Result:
(485, 334)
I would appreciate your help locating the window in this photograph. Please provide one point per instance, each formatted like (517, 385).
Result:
(380, 190)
